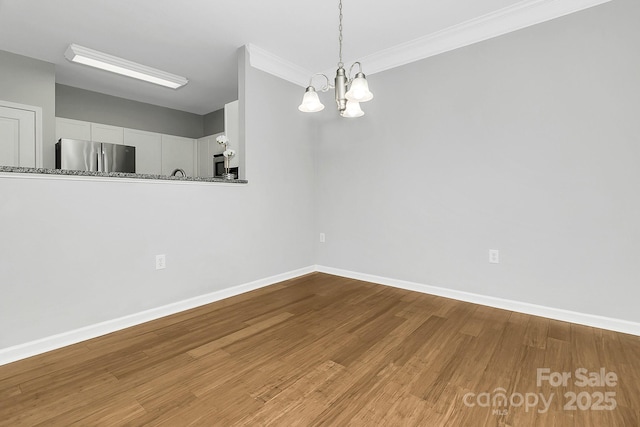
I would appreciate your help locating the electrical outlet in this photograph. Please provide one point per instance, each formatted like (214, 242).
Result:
(494, 256)
(161, 262)
(322, 238)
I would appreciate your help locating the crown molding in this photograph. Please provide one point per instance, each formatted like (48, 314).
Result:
(279, 67)
(520, 15)
(512, 18)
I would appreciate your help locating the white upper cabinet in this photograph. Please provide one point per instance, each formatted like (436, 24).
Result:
(106, 133)
(178, 153)
(148, 150)
(86, 131)
(72, 129)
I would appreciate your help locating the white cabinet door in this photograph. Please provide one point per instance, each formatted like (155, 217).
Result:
(106, 133)
(148, 150)
(72, 129)
(204, 169)
(207, 146)
(178, 153)
(17, 137)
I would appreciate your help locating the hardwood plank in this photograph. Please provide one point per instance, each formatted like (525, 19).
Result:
(559, 330)
(365, 337)
(118, 410)
(537, 332)
(296, 396)
(15, 373)
(255, 328)
(50, 407)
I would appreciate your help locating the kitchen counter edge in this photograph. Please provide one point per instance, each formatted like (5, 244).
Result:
(71, 173)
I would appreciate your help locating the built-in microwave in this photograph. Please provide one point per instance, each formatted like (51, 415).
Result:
(218, 166)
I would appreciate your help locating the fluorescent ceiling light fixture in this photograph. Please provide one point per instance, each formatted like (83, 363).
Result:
(104, 61)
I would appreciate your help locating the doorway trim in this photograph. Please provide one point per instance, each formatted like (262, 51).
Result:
(38, 125)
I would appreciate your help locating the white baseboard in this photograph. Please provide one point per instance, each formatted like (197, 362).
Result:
(22, 351)
(601, 322)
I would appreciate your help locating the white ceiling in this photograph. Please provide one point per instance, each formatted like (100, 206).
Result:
(198, 39)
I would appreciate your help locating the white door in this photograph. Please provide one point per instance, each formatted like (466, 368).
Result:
(17, 137)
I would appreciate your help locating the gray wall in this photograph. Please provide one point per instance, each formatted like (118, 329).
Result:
(80, 104)
(213, 122)
(527, 143)
(60, 271)
(32, 82)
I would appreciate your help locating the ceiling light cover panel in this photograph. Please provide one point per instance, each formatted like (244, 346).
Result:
(104, 61)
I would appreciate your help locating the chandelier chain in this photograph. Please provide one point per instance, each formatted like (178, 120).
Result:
(340, 64)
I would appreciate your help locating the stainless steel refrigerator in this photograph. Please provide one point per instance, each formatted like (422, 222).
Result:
(80, 155)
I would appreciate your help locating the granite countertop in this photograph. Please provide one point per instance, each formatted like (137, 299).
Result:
(64, 172)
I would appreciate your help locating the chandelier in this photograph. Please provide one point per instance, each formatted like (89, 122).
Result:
(350, 92)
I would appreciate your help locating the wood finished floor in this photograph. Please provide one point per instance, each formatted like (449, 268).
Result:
(322, 350)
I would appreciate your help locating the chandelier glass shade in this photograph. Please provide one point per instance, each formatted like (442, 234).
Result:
(352, 110)
(359, 90)
(311, 102)
(349, 92)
